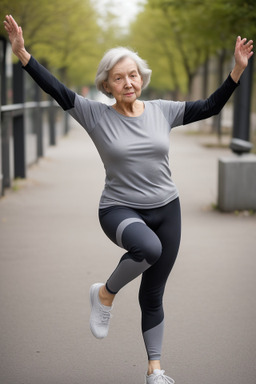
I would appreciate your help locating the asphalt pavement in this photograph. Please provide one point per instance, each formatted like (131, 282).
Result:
(52, 249)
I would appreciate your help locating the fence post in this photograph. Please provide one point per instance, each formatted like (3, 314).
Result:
(38, 123)
(18, 123)
(1, 66)
(7, 153)
(3, 70)
(52, 125)
(66, 122)
(4, 129)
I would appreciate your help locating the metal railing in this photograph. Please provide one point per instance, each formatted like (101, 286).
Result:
(28, 125)
(27, 129)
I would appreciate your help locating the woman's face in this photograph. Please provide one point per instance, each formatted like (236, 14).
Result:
(124, 81)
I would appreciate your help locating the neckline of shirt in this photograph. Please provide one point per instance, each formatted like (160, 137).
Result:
(129, 117)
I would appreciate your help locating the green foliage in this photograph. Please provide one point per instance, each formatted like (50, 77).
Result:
(70, 41)
(150, 36)
(63, 34)
(176, 37)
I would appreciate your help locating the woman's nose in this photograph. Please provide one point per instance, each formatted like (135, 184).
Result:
(128, 82)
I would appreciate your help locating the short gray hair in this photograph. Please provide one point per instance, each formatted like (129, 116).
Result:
(111, 58)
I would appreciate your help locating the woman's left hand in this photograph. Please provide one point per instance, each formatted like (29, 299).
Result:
(243, 52)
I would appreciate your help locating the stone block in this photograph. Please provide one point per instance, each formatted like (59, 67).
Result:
(237, 183)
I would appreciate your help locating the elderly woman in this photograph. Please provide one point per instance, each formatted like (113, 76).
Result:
(139, 208)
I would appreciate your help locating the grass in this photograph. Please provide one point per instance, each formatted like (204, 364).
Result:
(16, 185)
(244, 213)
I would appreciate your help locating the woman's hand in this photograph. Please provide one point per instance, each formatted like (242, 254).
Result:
(243, 52)
(16, 39)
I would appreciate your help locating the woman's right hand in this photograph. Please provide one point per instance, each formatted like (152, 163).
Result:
(16, 39)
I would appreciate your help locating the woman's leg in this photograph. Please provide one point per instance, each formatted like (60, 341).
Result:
(152, 239)
(167, 225)
(125, 227)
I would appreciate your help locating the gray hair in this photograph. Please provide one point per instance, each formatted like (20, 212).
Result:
(111, 58)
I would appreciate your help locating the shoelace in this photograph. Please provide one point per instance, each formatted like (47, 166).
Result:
(105, 315)
(163, 379)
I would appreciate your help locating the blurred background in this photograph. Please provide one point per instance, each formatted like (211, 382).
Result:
(182, 41)
(51, 245)
(188, 45)
(179, 40)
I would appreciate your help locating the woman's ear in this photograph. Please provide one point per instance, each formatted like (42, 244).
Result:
(106, 87)
(141, 78)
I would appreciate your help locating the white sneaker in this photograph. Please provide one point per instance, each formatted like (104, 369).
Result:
(100, 314)
(158, 377)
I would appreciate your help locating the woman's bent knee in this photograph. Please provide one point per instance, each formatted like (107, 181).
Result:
(142, 243)
(149, 250)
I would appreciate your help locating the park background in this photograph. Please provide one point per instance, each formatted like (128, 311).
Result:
(188, 45)
(51, 245)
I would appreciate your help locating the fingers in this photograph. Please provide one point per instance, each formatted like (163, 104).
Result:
(248, 48)
(10, 20)
(244, 41)
(244, 46)
(249, 44)
(239, 39)
(10, 24)
(7, 23)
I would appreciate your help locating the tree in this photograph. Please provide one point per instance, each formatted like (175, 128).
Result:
(178, 37)
(171, 43)
(152, 37)
(64, 34)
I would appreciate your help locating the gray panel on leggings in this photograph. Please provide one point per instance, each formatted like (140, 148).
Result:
(126, 271)
(121, 227)
(153, 339)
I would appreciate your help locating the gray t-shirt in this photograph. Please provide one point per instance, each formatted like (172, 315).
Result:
(134, 150)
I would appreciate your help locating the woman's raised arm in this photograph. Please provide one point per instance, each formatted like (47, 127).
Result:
(202, 109)
(49, 83)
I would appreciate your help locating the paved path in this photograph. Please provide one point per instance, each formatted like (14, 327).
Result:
(52, 249)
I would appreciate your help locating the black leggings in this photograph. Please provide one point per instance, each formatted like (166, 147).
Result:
(151, 238)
